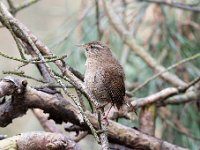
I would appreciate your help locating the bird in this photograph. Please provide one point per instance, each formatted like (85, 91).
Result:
(104, 76)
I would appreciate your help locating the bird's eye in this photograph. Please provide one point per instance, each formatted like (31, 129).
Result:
(98, 47)
(92, 46)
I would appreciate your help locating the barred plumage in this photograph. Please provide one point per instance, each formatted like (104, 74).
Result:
(104, 76)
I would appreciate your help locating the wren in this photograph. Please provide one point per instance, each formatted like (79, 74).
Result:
(104, 76)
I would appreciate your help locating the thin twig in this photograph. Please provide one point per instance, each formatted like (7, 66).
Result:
(33, 61)
(15, 9)
(67, 35)
(11, 5)
(178, 126)
(51, 85)
(79, 94)
(18, 42)
(26, 4)
(138, 20)
(21, 74)
(66, 79)
(196, 56)
(183, 6)
(193, 82)
(124, 56)
(98, 19)
(80, 136)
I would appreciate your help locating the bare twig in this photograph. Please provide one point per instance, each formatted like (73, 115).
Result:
(18, 42)
(179, 5)
(79, 20)
(79, 94)
(162, 95)
(177, 125)
(33, 61)
(138, 20)
(125, 55)
(196, 56)
(189, 96)
(15, 9)
(66, 79)
(80, 136)
(11, 5)
(22, 74)
(26, 4)
(98, 19)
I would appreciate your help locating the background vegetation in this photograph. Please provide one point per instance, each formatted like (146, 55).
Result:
(167, 33)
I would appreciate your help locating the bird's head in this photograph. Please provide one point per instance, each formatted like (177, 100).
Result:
(96, 49)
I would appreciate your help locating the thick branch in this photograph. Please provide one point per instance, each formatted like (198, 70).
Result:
(159, 96)
(189, 96)
(61, 110)
(48, 125)
(166, 96)
(39, 141)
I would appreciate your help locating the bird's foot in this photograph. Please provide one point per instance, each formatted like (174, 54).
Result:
(101, 131)
(105, 119)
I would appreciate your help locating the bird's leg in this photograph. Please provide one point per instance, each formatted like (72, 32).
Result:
(106, 115)
(104, 118)
(102, 123)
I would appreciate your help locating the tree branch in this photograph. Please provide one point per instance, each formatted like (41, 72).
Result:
(159, 96)
(39, 141)
(62, 110)
(48, 125)
(196, 56)
(15, 9)
(166, 96)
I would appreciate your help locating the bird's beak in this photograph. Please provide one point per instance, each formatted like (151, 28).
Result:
(81, 46)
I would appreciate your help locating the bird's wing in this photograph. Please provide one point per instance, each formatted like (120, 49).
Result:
(113, 83)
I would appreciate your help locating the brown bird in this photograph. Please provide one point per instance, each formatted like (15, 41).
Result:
(104, 76)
